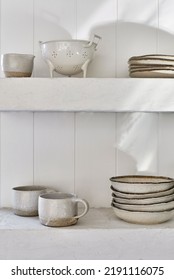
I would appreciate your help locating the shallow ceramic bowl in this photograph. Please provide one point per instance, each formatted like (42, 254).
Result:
(147, 218)
(17, 65)
(145, 207)
(141, 184)
(145, 200)
(142, 195)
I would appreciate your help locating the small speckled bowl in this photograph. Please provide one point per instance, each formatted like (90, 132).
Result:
(25, 199)
(17, 65)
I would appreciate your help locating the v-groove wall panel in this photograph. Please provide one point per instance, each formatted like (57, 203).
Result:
(54, 20)
(17, 26)
(136, 31)
(99, 17)
(16, 153)
(95, 157)
(54, 150)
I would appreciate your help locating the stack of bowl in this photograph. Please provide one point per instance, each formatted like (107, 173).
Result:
(143, 199)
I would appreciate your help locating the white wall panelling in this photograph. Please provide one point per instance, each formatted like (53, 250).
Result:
(54, 150)
(16, 152)
(0, 165)
(136, 31)
(53, 20)
(95, 156)
(166, 140)
(17, 26)
(166, 31)
(99, 17)
(137, 143)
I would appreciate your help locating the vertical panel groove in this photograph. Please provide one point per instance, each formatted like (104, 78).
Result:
(116, 40)
(33, 33)
(116, 152)
(0, 162)
(33, 148)
(75, 19)
(75, 136)
(158, 143)
(157, 33)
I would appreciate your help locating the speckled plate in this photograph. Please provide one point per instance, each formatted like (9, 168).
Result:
(137, 217)
(152, 74)
(145, 207)
(152, 59)
(144, 201)
(141, 184)
(119, 194)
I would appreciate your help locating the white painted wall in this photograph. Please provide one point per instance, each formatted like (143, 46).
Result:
(79, 152)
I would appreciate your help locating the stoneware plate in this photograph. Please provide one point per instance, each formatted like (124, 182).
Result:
(142, 195)
(147, 218)
(140, 201)
(152, 59)
(152, 74)
(146, 208)
(141, 184)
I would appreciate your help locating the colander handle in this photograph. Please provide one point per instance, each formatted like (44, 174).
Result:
(95, 40)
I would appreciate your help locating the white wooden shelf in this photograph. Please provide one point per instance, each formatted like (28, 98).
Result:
(98, 235)
(91, 94)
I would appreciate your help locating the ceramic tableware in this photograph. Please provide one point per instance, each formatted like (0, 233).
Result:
(60, 209)
(137, 217)
(25, 199)
(69, 57)
(151, 200)
(145, 207)
(141, 184)
(17, 65)
(142, 195)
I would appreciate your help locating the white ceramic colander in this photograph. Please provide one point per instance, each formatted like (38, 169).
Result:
(69, 57)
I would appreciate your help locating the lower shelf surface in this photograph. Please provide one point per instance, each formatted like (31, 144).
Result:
(98, 235)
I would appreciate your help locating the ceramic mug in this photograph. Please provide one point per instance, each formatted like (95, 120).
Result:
(25, 199)
(60, 209)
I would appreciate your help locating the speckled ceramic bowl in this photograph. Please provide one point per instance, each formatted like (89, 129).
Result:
(25, 199)
(141, 184)
(142, 195)
(17, 65)
(136, 217)
(145, 207)
(145, 200)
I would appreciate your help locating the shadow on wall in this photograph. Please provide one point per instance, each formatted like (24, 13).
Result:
(137, 141)
(122, 40)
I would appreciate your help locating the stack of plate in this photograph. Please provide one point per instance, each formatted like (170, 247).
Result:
(151, 66)
(143, 199)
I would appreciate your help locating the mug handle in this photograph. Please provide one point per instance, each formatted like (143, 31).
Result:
(86, 204)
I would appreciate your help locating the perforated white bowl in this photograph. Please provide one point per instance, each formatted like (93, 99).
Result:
(69, 57)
